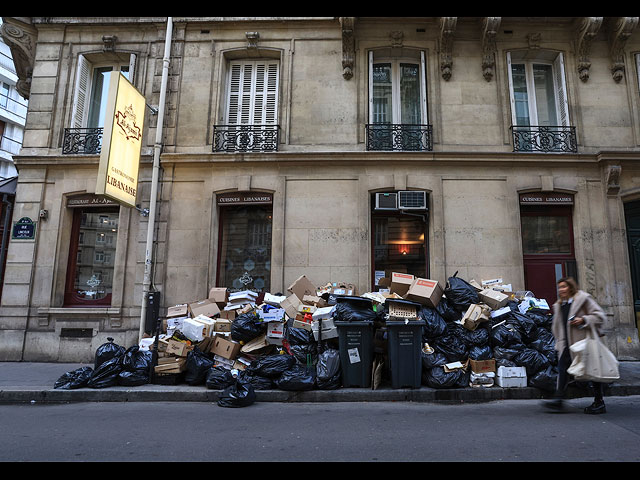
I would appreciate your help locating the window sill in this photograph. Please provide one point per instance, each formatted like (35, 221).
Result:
(81, 310)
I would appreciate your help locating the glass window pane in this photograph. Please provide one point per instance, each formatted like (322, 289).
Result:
(399, 244)
(545, 97)
(546, 234)
(99, 90)
(409, 93)
(245, 253)
(382, 93)
(521, 98)
(93, 275)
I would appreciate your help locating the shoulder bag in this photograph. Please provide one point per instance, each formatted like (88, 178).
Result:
(592, 360)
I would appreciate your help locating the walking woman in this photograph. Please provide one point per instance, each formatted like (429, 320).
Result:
(573, 313)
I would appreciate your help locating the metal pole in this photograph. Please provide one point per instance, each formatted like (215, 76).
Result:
(148, 261)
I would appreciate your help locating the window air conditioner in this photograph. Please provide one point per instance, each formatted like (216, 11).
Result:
(412, 200)
(386, 201)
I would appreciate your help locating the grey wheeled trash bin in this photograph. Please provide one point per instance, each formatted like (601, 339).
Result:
(404, 344)
(355, 340)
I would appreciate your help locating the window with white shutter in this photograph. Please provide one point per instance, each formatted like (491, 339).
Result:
(251, 116)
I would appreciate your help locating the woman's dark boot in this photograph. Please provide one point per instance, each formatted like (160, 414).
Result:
(596, 408)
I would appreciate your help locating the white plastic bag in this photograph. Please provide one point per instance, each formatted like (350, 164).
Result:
(592, 360)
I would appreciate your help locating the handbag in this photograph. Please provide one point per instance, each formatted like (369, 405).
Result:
(592, 360)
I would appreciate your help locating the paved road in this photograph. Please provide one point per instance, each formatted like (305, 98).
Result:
(507, 430)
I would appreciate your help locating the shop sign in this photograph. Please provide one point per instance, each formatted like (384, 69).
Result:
(122, 142)
(245, 198)
(546, 198)
(24, 229)
(90, 200)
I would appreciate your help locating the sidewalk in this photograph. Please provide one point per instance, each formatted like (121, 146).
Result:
(26, 382)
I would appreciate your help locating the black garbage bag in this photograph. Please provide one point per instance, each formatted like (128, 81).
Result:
(77, 378)
(107, 351)
(305, 353)
(507, 353)
(246, 327)
(505, 335)
(258, 382)
(240, 394)
(356, 309)
(478, 337)
(532, 360)
(460, 293)
(545, 379)
(106, 375)
(219, 378)
(480, 352)
(437, 377)
(452, 346)
(526, 325)
(297, 378)
(542, 318)
(447, 312)
(133, 378)
(543, 341)
(328, 371)
(271, 366)
(503, 362)
(299, 336)
(197, 367)
(433, 359)
(435, 325)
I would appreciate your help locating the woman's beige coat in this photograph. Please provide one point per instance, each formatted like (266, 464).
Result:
(584, 306)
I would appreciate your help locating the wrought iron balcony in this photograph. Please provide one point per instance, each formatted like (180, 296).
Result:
(552, 139)
(399, 137)
(86, 141)
(245, 138)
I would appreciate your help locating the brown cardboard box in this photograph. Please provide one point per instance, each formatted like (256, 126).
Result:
(314, 300)
(257, 345)
(340, 288)
(475, 315)
(483, 366)
(179, 349)
(301, 287)
(228, 314)
(400, 282)
(204, 307)
(222, 325)
(425, 292)
(290, 305)
(176, 366)
(219, 295)
(493, 298)
(224, 347)
(177, 311)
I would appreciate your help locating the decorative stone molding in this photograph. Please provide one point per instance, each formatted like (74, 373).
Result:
(348, 46)
(490, 27)
(397, 38)
(447, 29)
(20, 36)
(613, 179)
(587, 30)
(620, 33)
(109, 43)
(252, 38)
(534, 40)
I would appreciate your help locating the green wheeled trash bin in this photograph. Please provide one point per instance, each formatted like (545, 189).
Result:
(355, 341)
(404, 343)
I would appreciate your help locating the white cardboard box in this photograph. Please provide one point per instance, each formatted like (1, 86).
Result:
(509, 377)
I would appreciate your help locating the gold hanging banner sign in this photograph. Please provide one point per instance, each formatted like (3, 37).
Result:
(122, 142)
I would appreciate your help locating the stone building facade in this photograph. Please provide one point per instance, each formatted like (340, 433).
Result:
(508, 147)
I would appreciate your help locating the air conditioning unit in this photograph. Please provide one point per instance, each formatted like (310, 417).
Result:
(386, 201)
(412, 200)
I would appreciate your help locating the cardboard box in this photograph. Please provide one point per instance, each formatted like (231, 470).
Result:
(177, 366)
(493, 298)
(483, 366)
(273, 300)
(209, 324)
(179, 349)
(301, 287)
(314, 300)
(204, 307)
(302, 309)
(323, 312)
(290, 305)
(340, 288)
(256, 345)
(400, 283)
(178, 311)
(303, 322)
(329, 329)
(219, 295)
(228, 314)
(275, 331)
(425, 292)
(226, 348)
(272, 315)
(402, 308)
(222, 325)
(474, 316)
(509, 377)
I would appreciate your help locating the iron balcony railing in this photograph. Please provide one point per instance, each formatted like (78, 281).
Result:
(548, 139)
(86, 141)
(399, 137)
(245, 138)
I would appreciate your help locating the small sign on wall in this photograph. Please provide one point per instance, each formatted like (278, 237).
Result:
(23, 229)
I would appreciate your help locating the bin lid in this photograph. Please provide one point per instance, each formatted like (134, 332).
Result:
(400, 323)
(365, 323)
(365, 302)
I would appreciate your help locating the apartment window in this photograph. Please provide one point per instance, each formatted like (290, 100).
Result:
(397, 101)
(251, 108)
(4, 94)
(244, 249)
(90, 269)
(90, 100)
(539, 107)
